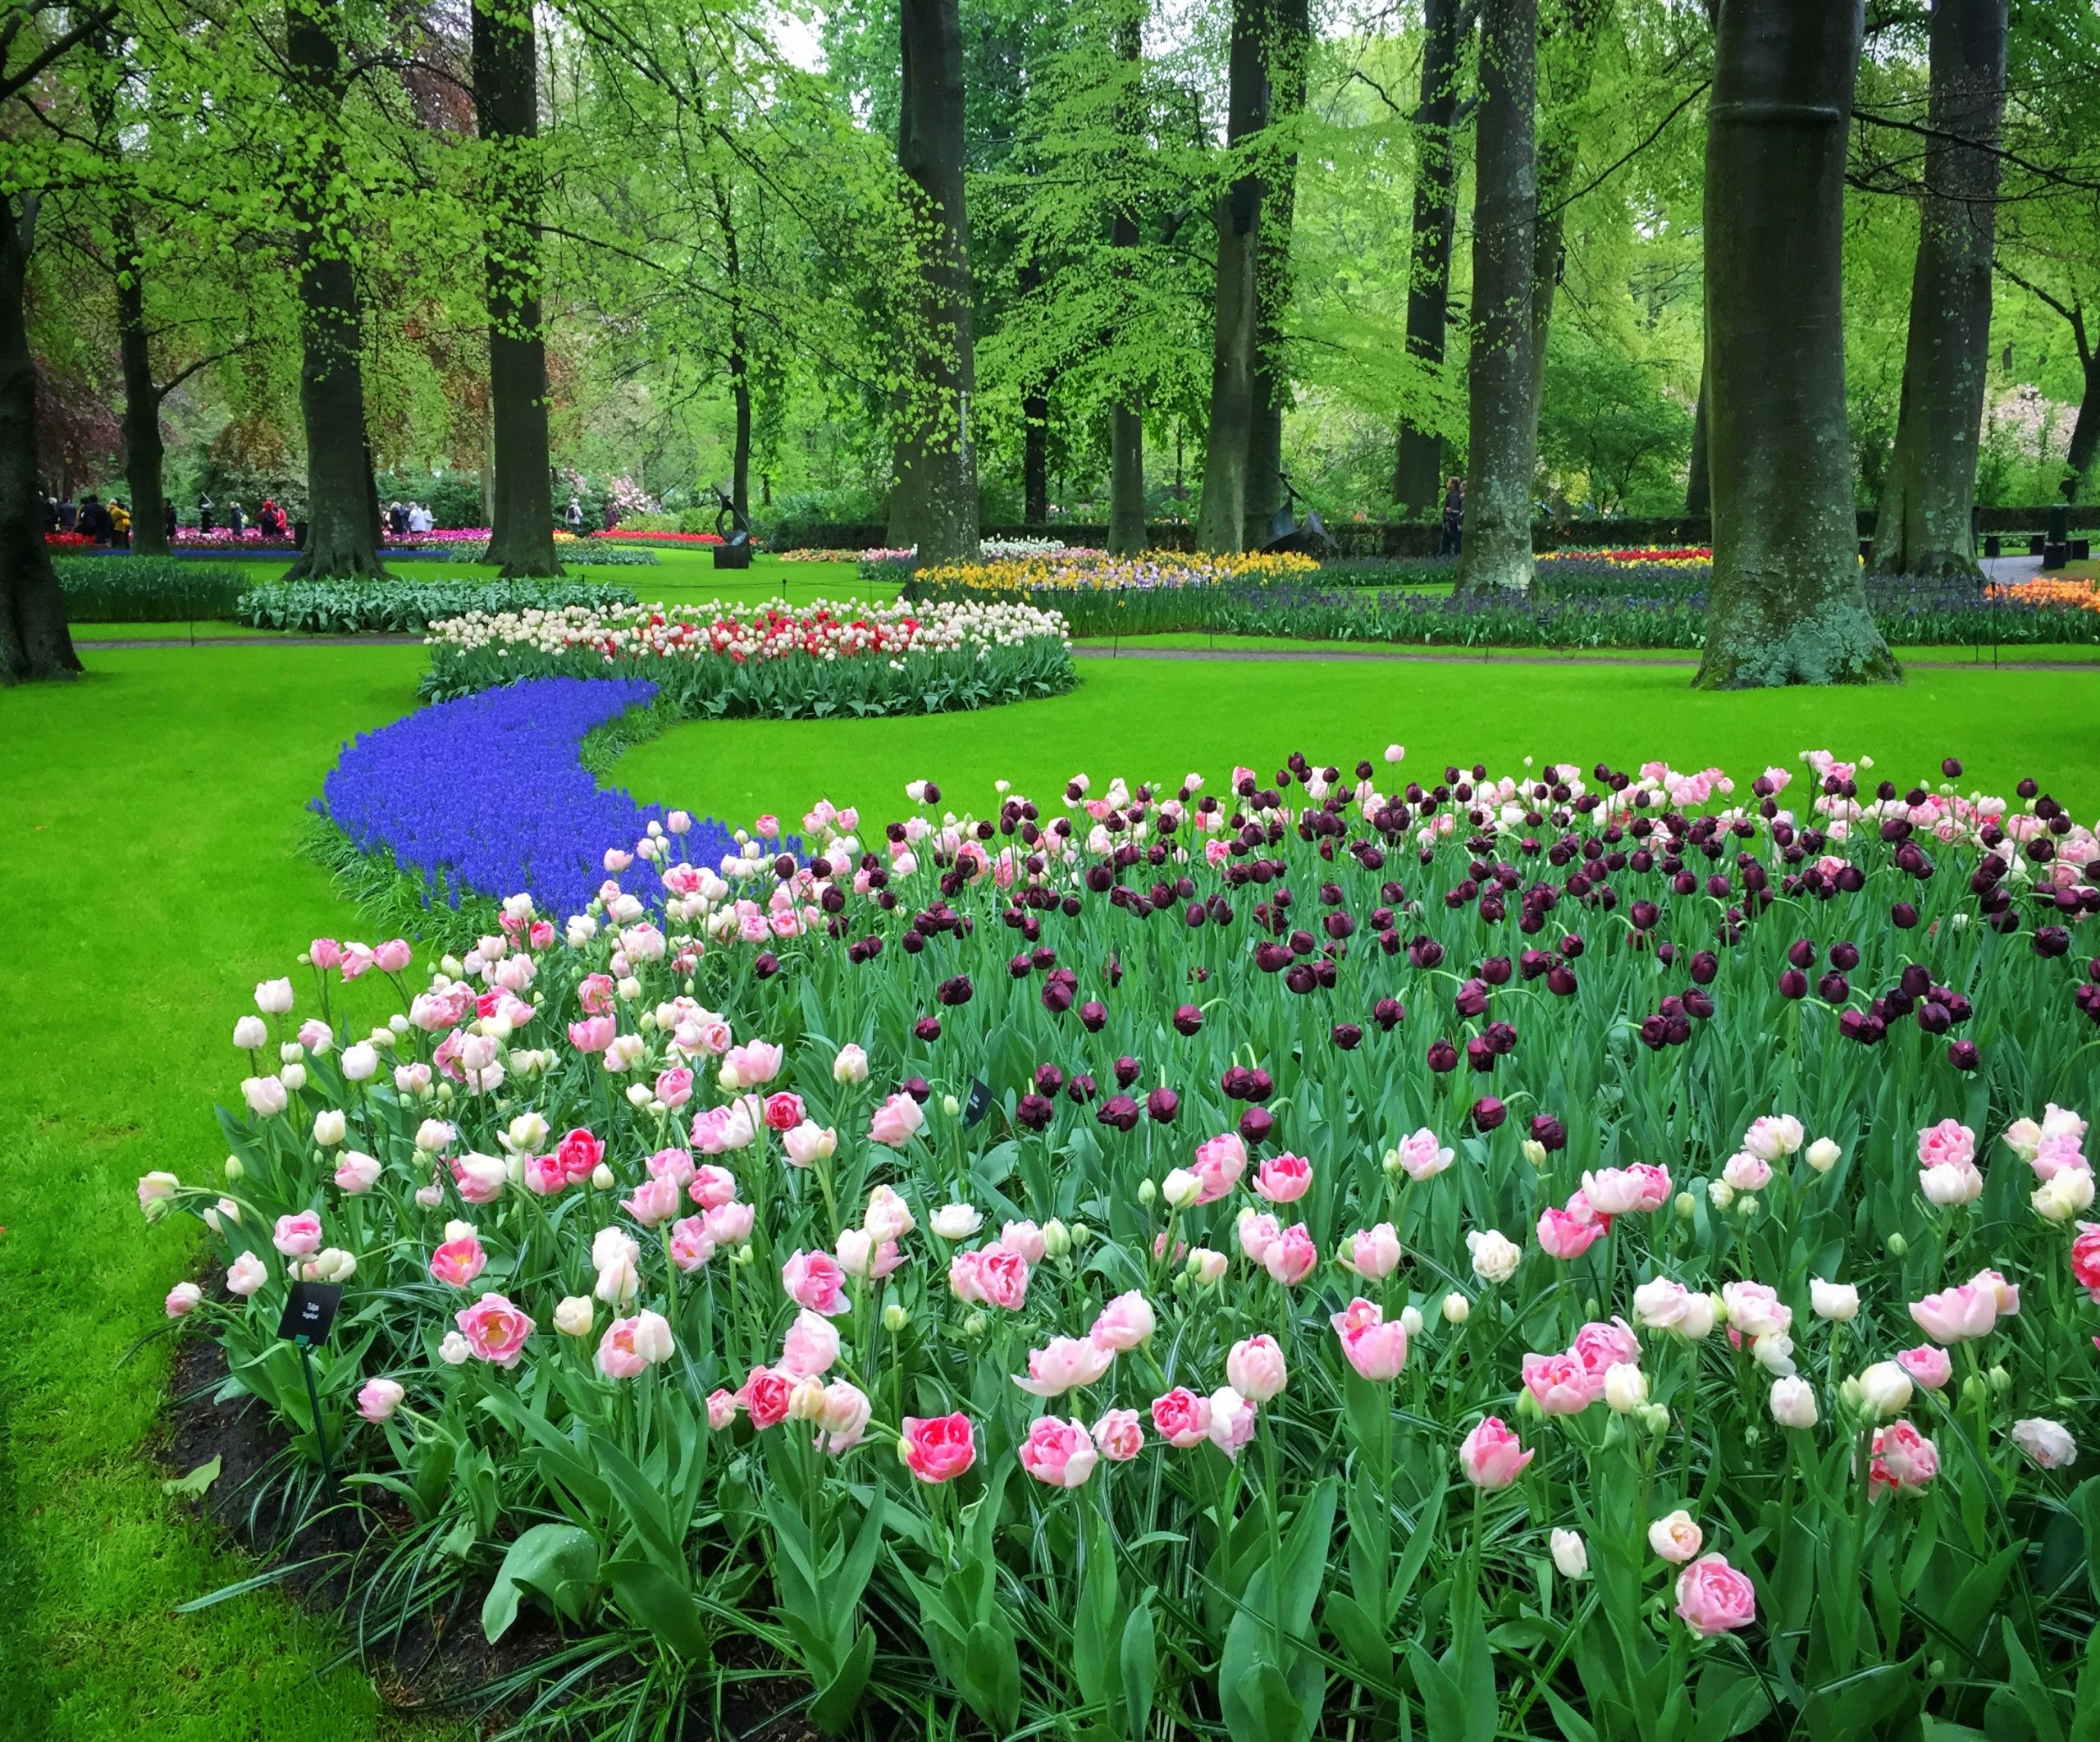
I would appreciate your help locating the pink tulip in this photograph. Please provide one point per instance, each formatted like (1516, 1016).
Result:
(1902, 1458)
(183, 1300)
(1957, 1314)
(1561, 1384)
(1283, 1179)
(730, 1224)
(246, 1275)
(721, 1409)
(844, 1418)
(1930, 1367)
(494, 1329)
(814, 1281)
(377, 1399)
(458, 1262)
(1059, 1454)
(579, 1153)
(1119, 1435)
(939, 1449)
(1257, 1232)
(1491, 1457)
(1219, 1163)
(1713, 1598)
(1600, 1347)
(1255, 1367)
(655, 1201)
(1181, 1418)
(297, 1236)
(2007, 1293)
(1231, 1421)
(1654, 1184)
(1422, 1155)
(544, 1175)
(1291, 1258)
(1065, 1364)
(675, 1087)
(594, 1034)
(1563, 1235)
(765, 1394)
(1948, 1143)
(896, 1120)
(811, 1346)
(1372, 1253)
(1126, 1322)
(711, 1186)
(673, 1164)
(1002, 1276)
(750, 1065)
(1376, 1348)
(392, 955)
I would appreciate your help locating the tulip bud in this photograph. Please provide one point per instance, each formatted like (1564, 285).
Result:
(1457, 1308)
(1747, 1205)
(1410, 1320)
(1974, 1391)
(573, 1316)
(1720, 1194)
(1147, 1192)
(601, 1178)
(1527, 1406)
(1625, 1387)
(895, 1318)
(1823, 1154)
(1898, 1246)
(1655, 1418)
(235, 1169)
(1884, 1390)
(1535, 1153)
(1793, 1402)
(1686, 1206)
(1057, 1239)
(2001, 1380)
(950, 1106)
(1571, 1555)
(1180, 1188)
(975, 1325)
(629, 990)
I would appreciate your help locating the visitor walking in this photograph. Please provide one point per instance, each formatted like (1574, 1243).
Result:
(167, 518)
(419, 520)
(205, 514)
(69, 515)
(270, 519)
(397, 519)
(237, 518)
(119, 524)
(1454, 518)
(574, 516)
(50, 515)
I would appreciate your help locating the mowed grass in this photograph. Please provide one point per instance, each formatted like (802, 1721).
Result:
(1160, 718)
(147, 815)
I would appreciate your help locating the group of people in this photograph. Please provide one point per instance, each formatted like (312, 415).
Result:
(404, 520)
(269, 522)
(106, 522)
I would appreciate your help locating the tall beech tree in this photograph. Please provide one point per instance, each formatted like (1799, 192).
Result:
(342, 508)
(934, 502)
(1221, 520)
(1290, 48)
(506, 74)
(34, 643)
(1503, 433)
(1928, 496)
(1126, 432)
(1788, 604)
(1418, 466)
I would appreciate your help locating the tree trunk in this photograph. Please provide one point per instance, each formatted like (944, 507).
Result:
(1787, 603)
(1289, 49)
(1502, 440)
(1126, 436)
(2085, 431)
(1698, 481)
(1221, 520)
(339, 537)
(34, 642)
(936, 507)
(740, 458)
(1928, 502)
(1573, 37)
(143, 453)
(1418, 470)
(507, 116)
(1035, 456)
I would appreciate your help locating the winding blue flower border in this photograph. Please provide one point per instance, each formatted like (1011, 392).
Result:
(487, 795)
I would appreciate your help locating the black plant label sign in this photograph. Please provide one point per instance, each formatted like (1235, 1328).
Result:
(979, 1102)
(310, 1312)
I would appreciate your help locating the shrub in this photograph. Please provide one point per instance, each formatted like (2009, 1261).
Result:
(148, 589)
(405, 607)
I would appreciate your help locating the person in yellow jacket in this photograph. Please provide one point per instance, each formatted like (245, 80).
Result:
(119, 524)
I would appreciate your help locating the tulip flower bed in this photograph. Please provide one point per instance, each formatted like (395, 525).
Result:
(1645, 556)
(1590, 1255)
(1040, 579)
(405, 607)
(148, 589)
(827, 658)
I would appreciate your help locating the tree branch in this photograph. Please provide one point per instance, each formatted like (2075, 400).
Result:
(91, 22)
(1613, 168)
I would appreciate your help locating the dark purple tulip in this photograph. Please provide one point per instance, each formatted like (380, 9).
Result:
(2051, 940)
(1862, 1026)
(1496, 971)
(1793, 984)
(1472, 998)
(1654, 1032)
(1645, 915)
(1443, 1056)
(1033, 1112)
(918, 1088)
(1080, 1089)
(1933, 1017)
(1904, 914)
(1128, 1071)
(1488, 1113)
(764, 965)
(1120, 1111)
(1387, 1013)
(1094, 1016)
(1049, 1079)
(1479, 1054)
(1560, 980)
(1962, 1055)
(955, 992)
(1951, 768)
(1833, 989)
(1845, 956)
(1801, 953)
(1548, 1132)
(927, 1028)
(1187, 1019)
(1697, 1003)
(1348, 1036)
(1255, 1125)
(1425, 952)
(1160, 1106)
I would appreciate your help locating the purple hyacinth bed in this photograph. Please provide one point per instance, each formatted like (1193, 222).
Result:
(487, 795)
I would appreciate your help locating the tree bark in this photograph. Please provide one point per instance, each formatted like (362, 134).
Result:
(144, 454)
(1035, 456)
(507, 116)
(1418, 469)
(34, 643)
(1573, 37)
(1502, 439)
(1698, 481)
(2085, 431)
(1788, 606)
(1126, 436)
(1221, 520)
(935, 505)
(339, 514)
(1289, 50)
(1928, 501)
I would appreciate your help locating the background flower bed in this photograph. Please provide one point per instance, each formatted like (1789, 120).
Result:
(820, 659)
(1170, 1584)
(405, 607)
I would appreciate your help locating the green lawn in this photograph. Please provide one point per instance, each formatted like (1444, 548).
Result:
(2083, 653)
(149, 813)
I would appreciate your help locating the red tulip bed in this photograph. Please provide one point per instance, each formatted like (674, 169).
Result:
(1569, 1252)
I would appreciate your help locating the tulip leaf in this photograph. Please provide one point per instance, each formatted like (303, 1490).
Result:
(551, 1559)
(196, 1481)
(1140, 1667)
(833, 1708)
